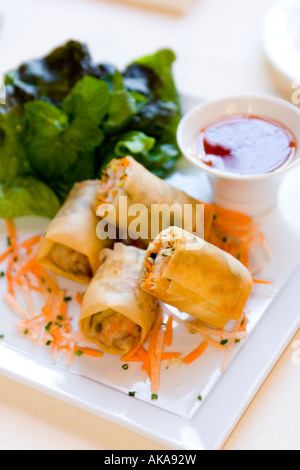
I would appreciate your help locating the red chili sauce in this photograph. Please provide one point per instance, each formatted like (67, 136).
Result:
(246, 145)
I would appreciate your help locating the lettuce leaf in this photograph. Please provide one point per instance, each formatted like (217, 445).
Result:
(89, 99)
(134, 143)
(13, 157)
(52, 78)
(47, 146)
(27, 196)
(67, 117)
(58, 138)
(161, 63)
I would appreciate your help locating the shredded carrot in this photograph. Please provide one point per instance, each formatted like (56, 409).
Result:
(63, 309)
(221, 333)
(154, 333)
(32, 287)
(14, 305)
(6, 253)
(195, 354)
(232, 231)
(168, 356)
(156, 358)
(27, 267)
(125, 162)
(135, 358)
(89, 351)
(131, 354)
(11, 231)
(141, 353)
(28, 243)
(79, 298)
(139, 356)
(169, 331)
(52, 325)
(213, 343)
(244, 324)
(230, 346)
(259, 281)
(9, 275)
(148, 266)
(37, 317)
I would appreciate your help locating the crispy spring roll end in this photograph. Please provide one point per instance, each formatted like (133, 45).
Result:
(70, 261)
(70, 246)
(196, 277)
(113, 330)
(116, 314)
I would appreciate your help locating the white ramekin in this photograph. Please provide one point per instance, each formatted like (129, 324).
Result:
(250, 194)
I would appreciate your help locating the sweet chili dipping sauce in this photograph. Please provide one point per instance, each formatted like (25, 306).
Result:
(246, 145)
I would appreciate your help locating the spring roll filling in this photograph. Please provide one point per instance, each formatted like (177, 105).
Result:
(70, 261)
(159, 255)
(112, 182)
(115, 330)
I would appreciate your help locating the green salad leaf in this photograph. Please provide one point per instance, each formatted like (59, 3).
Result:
(134, 143)
(66, 117)
(161, 63)
(27, 196)
(89, 99)
(47, 145)
(13, 157)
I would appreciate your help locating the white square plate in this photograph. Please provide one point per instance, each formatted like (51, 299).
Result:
(101, 386)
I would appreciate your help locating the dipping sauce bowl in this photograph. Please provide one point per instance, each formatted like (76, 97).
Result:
(251, 193)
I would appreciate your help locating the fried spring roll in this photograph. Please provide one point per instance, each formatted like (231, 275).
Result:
(196, 277)
(126, 177)
(70, 246)
(116, 314)
(230, 231)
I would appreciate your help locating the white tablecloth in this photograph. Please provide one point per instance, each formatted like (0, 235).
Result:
(219, 52)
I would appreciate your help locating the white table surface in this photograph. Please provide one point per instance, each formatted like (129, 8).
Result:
(219, 52)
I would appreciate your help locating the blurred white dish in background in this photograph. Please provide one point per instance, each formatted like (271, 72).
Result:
(281, 44)
(174, 6)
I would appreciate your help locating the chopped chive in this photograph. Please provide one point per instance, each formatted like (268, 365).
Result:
(131, 394)
(26, 332)
(57, 323)
(48, 343)
(242, 322)
(48, 327)
(49, 290)
(225, 240)
(15, 259)
(225, 341)
(163, 324)
(125, 366)
(78, 353)
(200, 397)
(67, 299)
(239, 256)
(8, 241)
(154, 396)
(215, 217)
(2, 274)
(1, 336)
(59, 317)
(237, 340)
